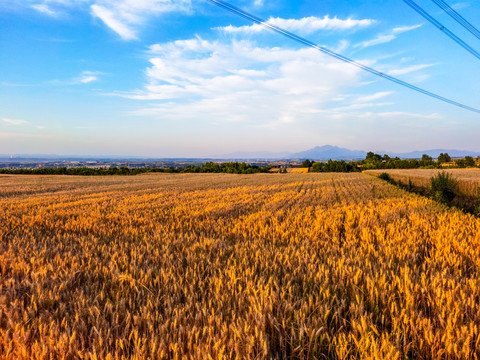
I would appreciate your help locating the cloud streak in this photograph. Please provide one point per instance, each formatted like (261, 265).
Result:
(87, 77)
(44, 9)
(305, 25)
(409, 69)
(375, 96)
(112, 20)
(380, 39)
(383, 39)
(14, 122)
(402, 29)
(125, 16)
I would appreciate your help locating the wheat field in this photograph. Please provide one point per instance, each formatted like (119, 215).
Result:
(216, 266)
(468, 179)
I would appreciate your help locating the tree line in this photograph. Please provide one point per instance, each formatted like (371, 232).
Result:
(208, 167)
(375, 161)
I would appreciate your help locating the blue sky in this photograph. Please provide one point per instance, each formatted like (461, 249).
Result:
(186, 78)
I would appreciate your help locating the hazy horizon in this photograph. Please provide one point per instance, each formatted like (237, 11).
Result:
(260, 154)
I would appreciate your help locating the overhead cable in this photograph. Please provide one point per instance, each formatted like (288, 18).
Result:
(459, 18)
(442, 28)
(308, 43)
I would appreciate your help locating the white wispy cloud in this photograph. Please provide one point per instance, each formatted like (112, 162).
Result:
(341, 47)
(125, 16)
(461, 5)
(386, 38)
(380, 39)
(112, 20)
(242, 82)
(402, 115)
(45, 9)
(353, 109)
(402, 29)
(87, 77)
(376, 96)
(14, 122)
(409, 69)
(305, 25)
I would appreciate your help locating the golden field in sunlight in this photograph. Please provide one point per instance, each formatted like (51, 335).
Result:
(299, 170)
(200, 266)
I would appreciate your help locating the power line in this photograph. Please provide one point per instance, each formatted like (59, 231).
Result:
(308, 43)
(459, 18)
(442, 28)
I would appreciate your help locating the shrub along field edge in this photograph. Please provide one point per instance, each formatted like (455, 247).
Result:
(444, 188)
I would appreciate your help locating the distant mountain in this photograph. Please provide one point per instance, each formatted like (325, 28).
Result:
(328, 152)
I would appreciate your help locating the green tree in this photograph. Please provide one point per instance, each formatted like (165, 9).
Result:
(426, 157)
(461, 163)
(469, 161)
(317, 167)
(210, 167)
(372, 157)
(123, 171)
(444, 158)
(307, 163)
